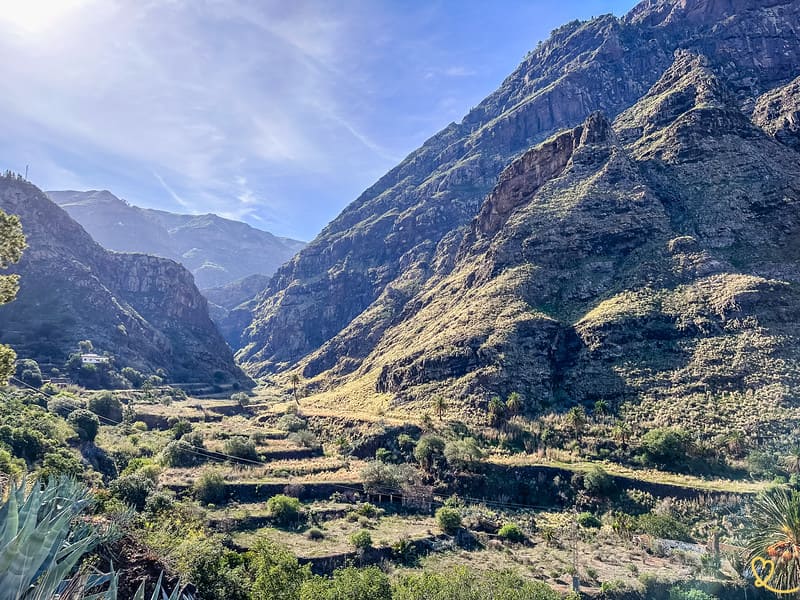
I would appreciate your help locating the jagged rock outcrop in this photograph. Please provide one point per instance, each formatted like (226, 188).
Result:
(649, 259)
(143, 310)
(330, 308)
(778, 113)
(217, 251)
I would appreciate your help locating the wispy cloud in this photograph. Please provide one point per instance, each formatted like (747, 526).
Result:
(278, 112)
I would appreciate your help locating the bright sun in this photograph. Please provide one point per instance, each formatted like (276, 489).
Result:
(37, 16)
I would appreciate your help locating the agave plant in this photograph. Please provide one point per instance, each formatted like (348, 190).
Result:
(42, 543)
(775, 536)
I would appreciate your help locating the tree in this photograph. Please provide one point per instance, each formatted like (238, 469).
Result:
(349, 584)
(361, 539)
(12, 243)
(601, 409)
(278, 574)
(775, 535)
(576, 421)
(622, 432)
(105, 404)
(295, 384)
(514, 403)
(242, 399)
(462, 454)
(497, 411)
(668, 447)
(29, 373)
(428, 450)
(85, 423)
(439, 406)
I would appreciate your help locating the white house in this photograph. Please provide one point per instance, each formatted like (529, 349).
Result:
(93, 359)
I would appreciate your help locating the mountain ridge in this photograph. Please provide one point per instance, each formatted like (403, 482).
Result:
(216, 250)
(326, 310)
(144, 310)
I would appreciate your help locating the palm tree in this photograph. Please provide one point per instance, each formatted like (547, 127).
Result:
(576, 420)
(295, 383)
(775, 536)
(497, 411)
(601, 409)
(440, 406)
(621, 432)
(514, 403)
(735, 443)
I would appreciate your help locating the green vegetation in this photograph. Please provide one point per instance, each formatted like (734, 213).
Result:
(285, 510)
(12, 243)
(448, 519)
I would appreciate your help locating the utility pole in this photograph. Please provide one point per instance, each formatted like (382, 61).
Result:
(26, 172)
(576, 579)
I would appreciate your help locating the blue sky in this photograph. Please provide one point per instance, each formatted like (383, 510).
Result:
(275, 112)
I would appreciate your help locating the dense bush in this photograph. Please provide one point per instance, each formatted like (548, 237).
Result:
(133, 489)
(349, 584)
(588, 521)
(378, 475)
(462, 454)
(63, 405)
(180, 453)
(210, 488)
(511, 532)
(278, 575)
(598, 483)
(241, 447)
(284, 510)
(216, 572)
(462, 583)
(28, 372)
(85, 423)
(361, 539)
(667, 447)
(680, 592)
(448, 519)
(105, 404)
(663, 526)
(291, 423)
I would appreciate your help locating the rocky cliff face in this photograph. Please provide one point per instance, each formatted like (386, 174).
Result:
(778, 113)
(144, 310)
(217, 251)
(340, 300)
(653, 257)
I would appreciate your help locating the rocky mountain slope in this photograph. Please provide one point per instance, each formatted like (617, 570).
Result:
(367, 263)
(217, 251)
(144, 310)
(609, 260)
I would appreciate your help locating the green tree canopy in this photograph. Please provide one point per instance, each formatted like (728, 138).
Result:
(12, 243)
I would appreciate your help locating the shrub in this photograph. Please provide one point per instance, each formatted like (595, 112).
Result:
(278, 574)
(210, 488)
(511, 532)
(597, 482)
(448, 519)
(241, 447)
(378, 475)
(361, 539)
(663, 526)
(140, 426)
(85, 423)
(667, 447)
(291, 422)
(159, 502)
(304, 438)
(133, 489)
(135, 377)
(180, 428)
(180, 453)
(349, 584)
(679, 592)
(63, 405)
(463, 583)
(105, 404)
(588, 521)
(285, 510)
(241, 398)
(368, 510)
(315, 534)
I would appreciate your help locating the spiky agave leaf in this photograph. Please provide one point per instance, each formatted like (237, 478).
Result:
(35, 542)
(775, 535)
